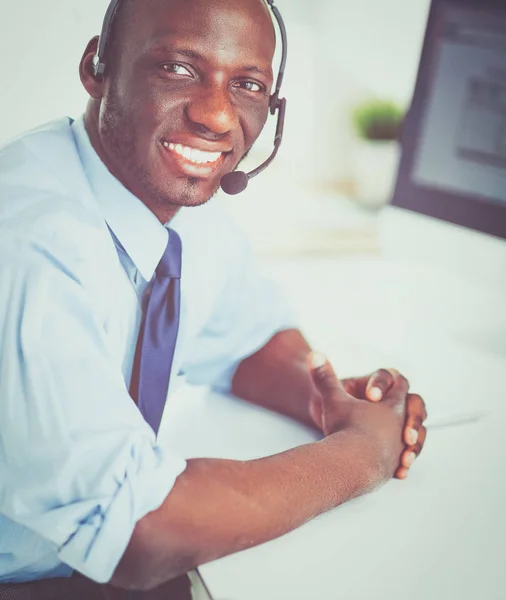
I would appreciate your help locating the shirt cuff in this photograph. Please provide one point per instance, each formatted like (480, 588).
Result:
(97, 547)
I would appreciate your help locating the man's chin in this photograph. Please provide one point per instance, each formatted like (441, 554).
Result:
(192, 192)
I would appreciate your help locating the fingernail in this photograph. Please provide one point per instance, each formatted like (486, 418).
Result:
(375, 394)
(409, 459)
(412, 437)
(318, 360)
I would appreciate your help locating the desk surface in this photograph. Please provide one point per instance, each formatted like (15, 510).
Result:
(440, 535)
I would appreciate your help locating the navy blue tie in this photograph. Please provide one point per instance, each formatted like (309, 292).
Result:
(158, 335)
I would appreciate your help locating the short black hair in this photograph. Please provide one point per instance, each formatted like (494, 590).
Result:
(115, 30)
(117, 26)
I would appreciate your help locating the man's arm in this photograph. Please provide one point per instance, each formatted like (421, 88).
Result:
(276, 377)
(218, 507)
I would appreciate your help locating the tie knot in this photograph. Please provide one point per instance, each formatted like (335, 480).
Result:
(170, 264)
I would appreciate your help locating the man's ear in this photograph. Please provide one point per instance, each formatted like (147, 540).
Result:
(93, 85)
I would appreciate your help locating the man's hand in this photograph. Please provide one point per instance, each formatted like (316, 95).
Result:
(375, 388)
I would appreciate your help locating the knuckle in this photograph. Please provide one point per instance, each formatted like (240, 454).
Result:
(421, 440)
(325, 380)
(399, 376)
(416, 407)
(348, 386)
(383, 374)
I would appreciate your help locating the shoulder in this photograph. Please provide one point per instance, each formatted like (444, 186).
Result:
(47, 210)
(41, 163)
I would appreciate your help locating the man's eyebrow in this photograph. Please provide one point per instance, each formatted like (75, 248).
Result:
(164, 48)
(193, 54)
(255, 69)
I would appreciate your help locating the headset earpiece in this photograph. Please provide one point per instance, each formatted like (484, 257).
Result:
(99, 58)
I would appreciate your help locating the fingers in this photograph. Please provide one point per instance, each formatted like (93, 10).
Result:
(401, 473)
(416, 415)
(410, 454)
(414, 451)
(329, 411)
(397, 394)
(323, 374)
(414, 434)
(378, 385)
(372, 387)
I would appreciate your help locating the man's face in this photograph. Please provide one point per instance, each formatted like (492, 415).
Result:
(186, 96)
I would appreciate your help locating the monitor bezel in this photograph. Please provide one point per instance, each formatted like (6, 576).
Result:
(472, 212)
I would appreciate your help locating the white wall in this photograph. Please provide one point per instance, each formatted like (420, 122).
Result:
(41, 43)
(338, 51)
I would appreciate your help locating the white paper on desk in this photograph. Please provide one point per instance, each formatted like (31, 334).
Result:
(452, 419)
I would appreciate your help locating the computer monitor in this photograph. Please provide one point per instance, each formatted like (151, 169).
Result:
(453, 163)
(448, 213)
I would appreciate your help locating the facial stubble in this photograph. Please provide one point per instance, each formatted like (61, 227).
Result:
(118, 135)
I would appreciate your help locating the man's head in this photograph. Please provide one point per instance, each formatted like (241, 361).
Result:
(184, 97)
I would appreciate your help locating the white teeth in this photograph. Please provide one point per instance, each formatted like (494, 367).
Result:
(192, 154)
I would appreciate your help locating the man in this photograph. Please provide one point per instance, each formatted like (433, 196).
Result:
(84, 486)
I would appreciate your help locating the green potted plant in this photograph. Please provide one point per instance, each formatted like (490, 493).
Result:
(377, 125)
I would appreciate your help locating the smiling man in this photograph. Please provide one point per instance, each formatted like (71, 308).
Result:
(101, 312)
(186, 98)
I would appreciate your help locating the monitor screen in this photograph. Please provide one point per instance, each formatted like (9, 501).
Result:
(453, 165)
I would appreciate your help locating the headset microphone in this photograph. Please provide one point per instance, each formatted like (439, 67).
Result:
(237, 181)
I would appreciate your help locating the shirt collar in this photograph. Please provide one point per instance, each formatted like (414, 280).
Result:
(137, 229)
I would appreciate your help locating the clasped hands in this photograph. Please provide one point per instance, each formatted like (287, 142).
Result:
(336, 399)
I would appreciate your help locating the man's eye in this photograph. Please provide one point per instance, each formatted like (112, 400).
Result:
(177, 69)
(250, 86)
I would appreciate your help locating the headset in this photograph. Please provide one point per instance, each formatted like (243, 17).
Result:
(237, 181)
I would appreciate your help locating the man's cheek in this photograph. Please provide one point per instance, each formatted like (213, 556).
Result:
(251, 136)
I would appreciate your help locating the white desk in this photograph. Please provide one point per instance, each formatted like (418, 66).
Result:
(441, 535)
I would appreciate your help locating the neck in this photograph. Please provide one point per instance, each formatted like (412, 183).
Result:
(164, 214)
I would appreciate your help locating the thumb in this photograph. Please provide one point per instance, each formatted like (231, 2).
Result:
(331, 390)
(324, 377)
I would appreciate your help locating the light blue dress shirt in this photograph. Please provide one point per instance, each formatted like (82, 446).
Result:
(78, 464)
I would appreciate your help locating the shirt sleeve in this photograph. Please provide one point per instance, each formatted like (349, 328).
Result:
(249, 309)
(78, 464)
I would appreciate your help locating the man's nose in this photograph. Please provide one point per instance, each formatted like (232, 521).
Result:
(213, 110)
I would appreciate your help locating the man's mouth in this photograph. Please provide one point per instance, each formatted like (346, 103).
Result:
(193, 155)
(194, 162)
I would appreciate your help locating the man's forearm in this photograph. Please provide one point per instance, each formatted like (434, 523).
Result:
(276, 377)
(218, 507)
